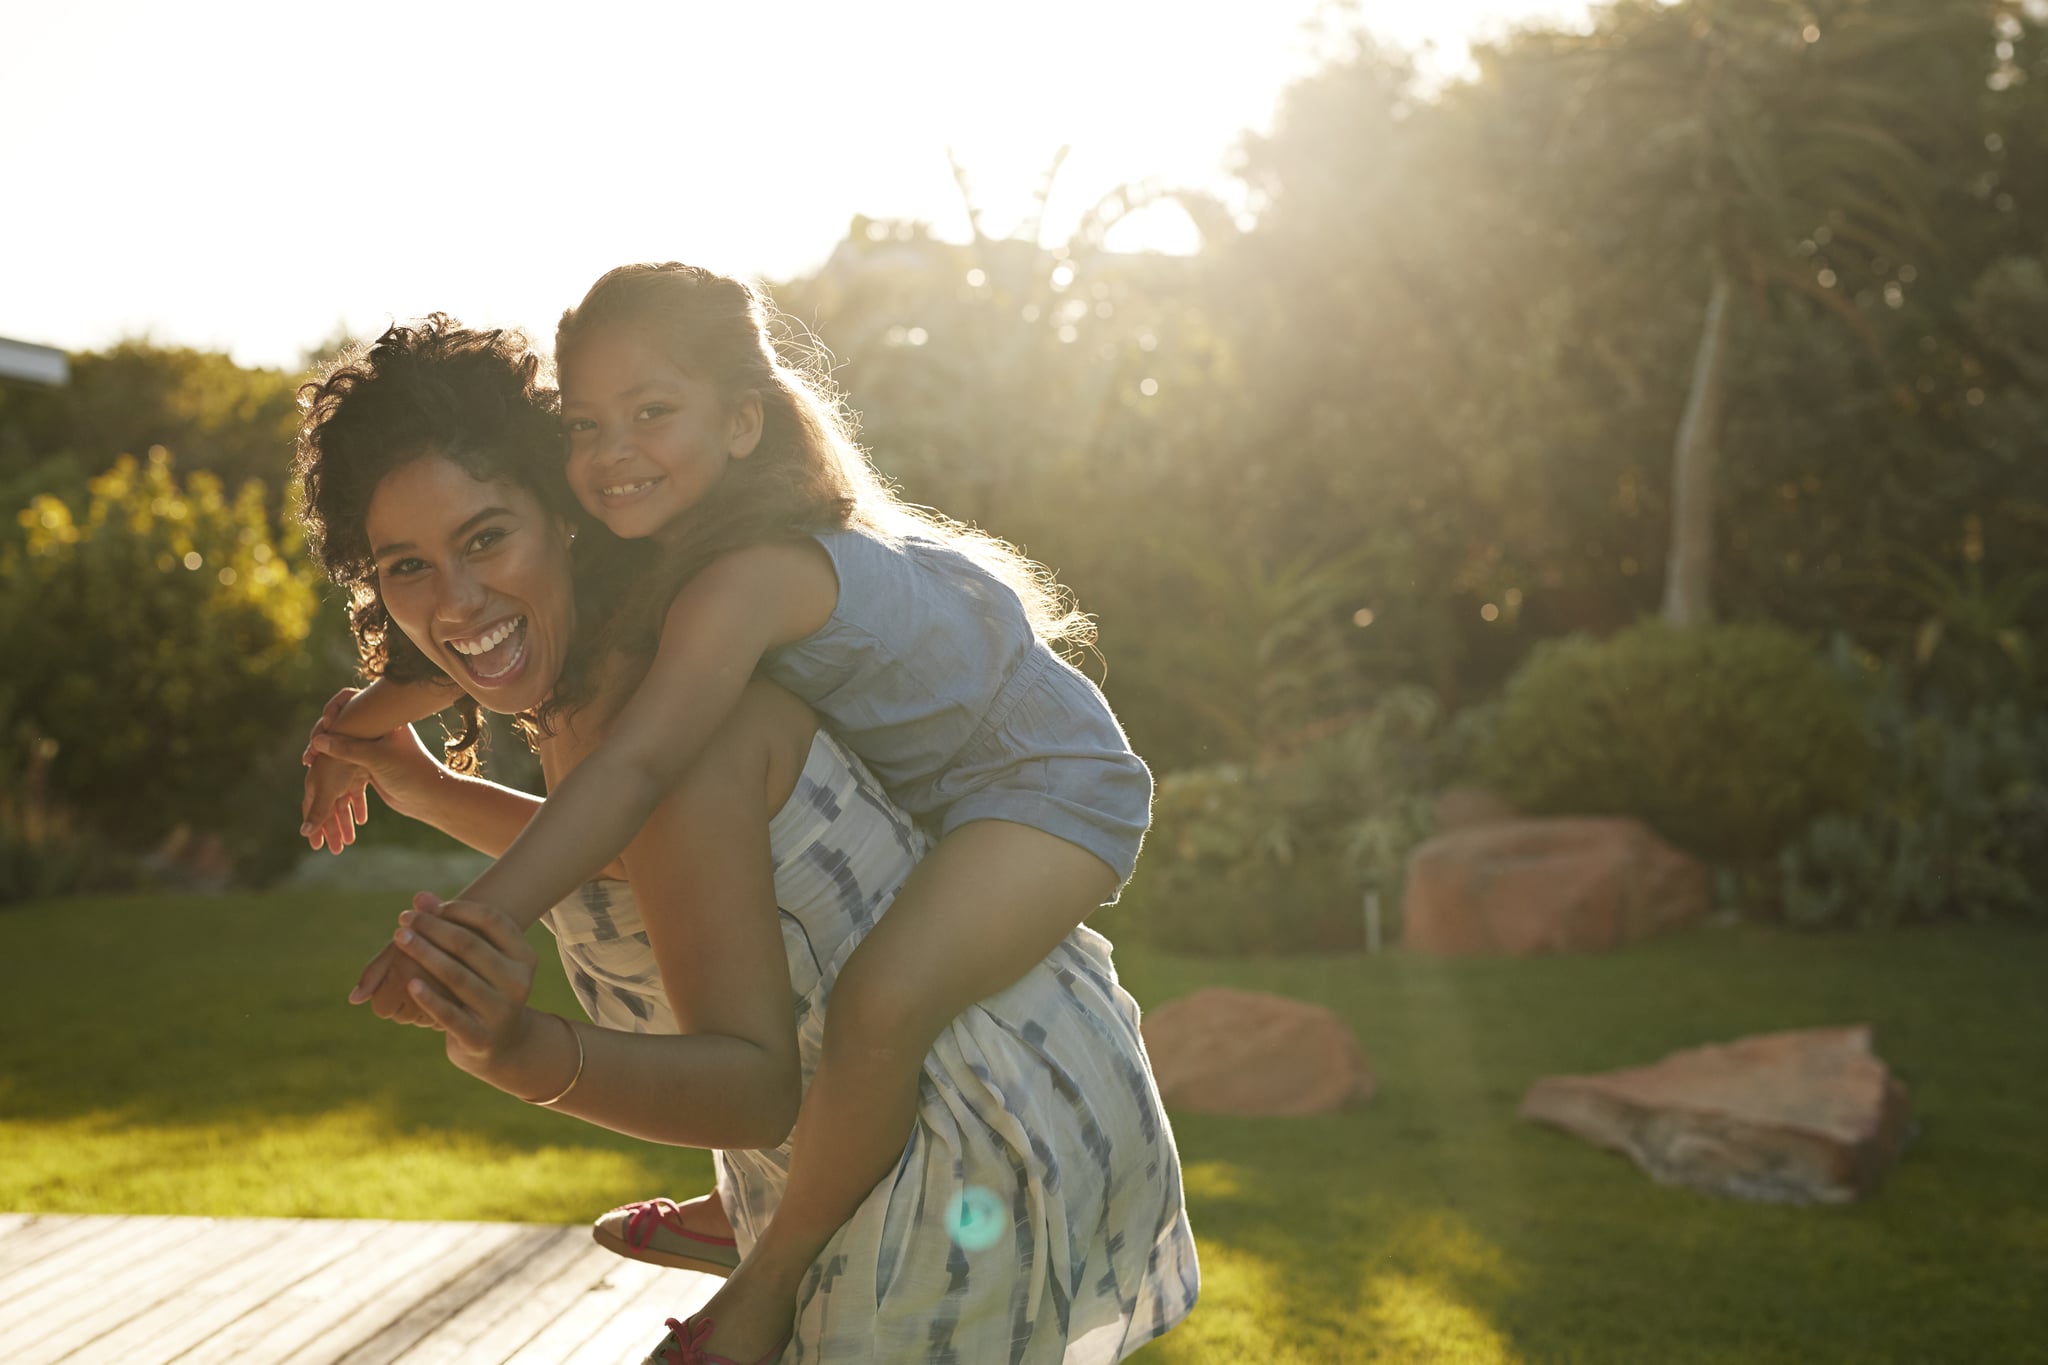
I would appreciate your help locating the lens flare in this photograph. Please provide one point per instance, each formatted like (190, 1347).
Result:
(976, 1218)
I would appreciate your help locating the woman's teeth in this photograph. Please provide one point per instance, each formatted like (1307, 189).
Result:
(489, 655)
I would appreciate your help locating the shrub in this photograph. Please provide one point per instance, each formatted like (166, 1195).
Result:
(1727, 739)
(1276, 856)
(44, 850)
(158, 639)
(1955, 824)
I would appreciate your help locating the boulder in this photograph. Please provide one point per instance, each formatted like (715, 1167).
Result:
(1810, 1116)
(1223, 1051)
(190, 861)
(1547, 886)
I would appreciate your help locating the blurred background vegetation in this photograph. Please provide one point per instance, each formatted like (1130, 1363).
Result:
(1652, 424)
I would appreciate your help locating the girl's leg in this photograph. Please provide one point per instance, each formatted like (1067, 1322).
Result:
(984, 907)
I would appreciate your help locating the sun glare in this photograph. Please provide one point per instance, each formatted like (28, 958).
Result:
(253, 191)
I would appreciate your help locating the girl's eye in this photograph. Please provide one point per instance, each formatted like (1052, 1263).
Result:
(486, 538)
(654, 411)
(578, 426)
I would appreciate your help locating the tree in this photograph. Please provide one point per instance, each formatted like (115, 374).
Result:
(1793, 146)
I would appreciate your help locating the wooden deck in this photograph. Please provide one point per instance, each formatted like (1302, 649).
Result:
(149, 1290)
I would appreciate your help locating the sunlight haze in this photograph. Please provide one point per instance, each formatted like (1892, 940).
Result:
(254, 178)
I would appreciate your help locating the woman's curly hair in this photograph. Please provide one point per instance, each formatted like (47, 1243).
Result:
(478, 398)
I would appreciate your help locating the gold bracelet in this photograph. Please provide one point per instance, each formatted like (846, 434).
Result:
(563, 1093)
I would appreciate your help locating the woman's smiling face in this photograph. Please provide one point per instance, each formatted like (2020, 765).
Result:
(476, 572)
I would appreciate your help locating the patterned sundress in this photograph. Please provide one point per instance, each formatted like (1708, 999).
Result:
(1036, 1214)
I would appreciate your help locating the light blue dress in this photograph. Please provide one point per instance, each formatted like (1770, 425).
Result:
(1036, 1215)
(930, 671)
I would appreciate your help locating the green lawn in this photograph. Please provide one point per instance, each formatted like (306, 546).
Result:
(171, 1055)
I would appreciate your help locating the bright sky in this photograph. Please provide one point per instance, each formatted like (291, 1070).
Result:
(251, 176)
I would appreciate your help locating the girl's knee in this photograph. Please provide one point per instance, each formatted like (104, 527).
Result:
(869, 1013)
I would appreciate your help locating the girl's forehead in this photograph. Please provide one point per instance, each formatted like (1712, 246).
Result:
(617, 359)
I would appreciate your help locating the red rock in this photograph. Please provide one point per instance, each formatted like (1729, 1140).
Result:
(1547, 886)
(1810, 1116)
(1223, 1051)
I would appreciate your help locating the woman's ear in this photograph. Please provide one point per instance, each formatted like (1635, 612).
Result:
(745, 426)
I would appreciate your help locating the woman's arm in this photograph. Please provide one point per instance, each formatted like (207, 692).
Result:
(716, 631)
(703, 877)
(479, 813)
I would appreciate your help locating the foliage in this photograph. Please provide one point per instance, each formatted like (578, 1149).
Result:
(44, 850)
(236, 422)
(158, 640)
(1954, 823)
(1728, 739)
(1276, 855)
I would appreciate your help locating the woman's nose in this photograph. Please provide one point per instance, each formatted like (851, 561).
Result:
(462, 592)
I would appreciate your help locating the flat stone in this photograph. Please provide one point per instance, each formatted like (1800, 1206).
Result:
(1224, 1051)
(1808, 1116)
(1525, 886)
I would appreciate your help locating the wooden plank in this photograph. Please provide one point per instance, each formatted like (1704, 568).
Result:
(72, 1323)
(108, 1243)
(300, 1248)
(295, 1325)
(414, 1296)
(383, 1339)
(616, 1287)
(42, 1235)
(12, 1222)
(510, 1313)
(637, 1327)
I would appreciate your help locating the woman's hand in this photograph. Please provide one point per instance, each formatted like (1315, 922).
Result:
(475, 973)
(398, 766)
(334, 803)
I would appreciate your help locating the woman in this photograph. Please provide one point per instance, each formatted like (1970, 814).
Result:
(1036, 1211)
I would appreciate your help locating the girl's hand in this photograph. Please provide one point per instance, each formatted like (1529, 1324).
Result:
(475, 975)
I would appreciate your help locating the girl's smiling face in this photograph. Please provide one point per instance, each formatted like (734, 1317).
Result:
(648, 440)
(476, 572)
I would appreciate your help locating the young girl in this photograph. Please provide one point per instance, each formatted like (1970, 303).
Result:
(924, 645)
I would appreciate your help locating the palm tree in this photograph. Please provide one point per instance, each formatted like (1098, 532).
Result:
(1772, 136)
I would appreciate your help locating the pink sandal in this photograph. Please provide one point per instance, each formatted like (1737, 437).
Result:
(652, 1231)
(684, 1345)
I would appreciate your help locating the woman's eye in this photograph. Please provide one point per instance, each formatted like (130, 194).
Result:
(402, 568)
(486, 538)
(578, 426)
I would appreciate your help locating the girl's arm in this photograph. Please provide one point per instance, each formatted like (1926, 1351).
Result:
(714, 635)
(385, 705)
(705, 883)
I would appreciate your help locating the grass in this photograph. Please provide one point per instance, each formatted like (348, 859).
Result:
(185, 1055)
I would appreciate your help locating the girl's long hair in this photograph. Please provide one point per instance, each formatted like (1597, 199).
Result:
(806, 474)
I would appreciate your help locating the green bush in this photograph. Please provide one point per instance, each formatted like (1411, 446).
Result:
(1727, 739)
(1955, 824)
(1276, 856)
(158, 639)
(44, 850)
